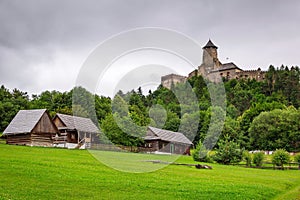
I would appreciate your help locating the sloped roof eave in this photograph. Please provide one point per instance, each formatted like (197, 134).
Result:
(20, 133)
(80, 124)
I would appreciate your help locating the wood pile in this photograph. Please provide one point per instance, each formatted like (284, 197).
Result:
(198, 166)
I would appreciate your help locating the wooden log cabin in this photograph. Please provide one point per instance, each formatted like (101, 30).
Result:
(31, 127)
(164, 141)
(75, 132)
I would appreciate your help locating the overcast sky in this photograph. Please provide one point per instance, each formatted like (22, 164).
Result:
(43, 43)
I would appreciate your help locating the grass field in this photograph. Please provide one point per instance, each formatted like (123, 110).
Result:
(48, 173)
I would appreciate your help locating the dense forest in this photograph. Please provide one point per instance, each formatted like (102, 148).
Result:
(257, 115)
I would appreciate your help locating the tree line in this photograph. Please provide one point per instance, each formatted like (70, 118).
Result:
(257, 115)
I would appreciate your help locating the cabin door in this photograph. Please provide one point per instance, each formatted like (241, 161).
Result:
(172, 148)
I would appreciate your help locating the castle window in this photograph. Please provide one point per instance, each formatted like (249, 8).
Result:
(221, 74)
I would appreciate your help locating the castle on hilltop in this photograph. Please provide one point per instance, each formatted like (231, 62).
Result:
(212, 69)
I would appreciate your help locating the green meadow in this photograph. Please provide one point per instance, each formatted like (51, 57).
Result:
(49, 173)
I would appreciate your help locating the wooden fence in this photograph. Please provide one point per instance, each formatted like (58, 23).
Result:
(270, 165)
(119, 148)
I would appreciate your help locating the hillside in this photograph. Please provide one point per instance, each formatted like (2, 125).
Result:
(275, 100)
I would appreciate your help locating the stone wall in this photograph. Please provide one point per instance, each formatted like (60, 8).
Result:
(251, 74)
(170, 79)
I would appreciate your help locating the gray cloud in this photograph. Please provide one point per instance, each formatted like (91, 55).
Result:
(42, 42)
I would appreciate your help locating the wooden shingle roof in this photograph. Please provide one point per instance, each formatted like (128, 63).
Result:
(78, 123)
(167, 135)
(24, 122)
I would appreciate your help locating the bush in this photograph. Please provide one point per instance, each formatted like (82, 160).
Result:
(247, 158)
(228, 152)
(258, 159)
(280, 157)
(202, 156)
(196, 153)
(297, 160)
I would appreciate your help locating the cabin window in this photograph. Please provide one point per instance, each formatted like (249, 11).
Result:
(148, 145)
(72, 136)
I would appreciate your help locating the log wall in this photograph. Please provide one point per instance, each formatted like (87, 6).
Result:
(19, 139)
(44, 139)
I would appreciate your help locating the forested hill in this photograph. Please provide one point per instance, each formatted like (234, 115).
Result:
(259, 115)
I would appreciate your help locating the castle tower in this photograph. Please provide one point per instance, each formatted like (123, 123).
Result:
(210, 59)
(211, 49)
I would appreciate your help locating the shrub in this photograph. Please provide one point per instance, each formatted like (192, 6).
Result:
(247, 158)
(201, 155)
(258, 159)
(196, 153)
(297, 160)
(280, 157)
(228, 152)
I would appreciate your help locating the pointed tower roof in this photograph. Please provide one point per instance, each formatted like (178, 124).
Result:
(210, 44)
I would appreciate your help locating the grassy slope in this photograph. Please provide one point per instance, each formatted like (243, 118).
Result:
(46, 173)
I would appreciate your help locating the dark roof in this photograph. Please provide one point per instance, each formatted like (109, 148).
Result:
(78, 123)
(210, 44)
(24, 121)
(227, 66)
(161, 134)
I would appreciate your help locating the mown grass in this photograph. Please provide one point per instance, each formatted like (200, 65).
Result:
(48, 173)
